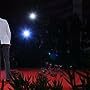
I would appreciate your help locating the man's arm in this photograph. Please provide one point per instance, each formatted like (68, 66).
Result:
(8, 30)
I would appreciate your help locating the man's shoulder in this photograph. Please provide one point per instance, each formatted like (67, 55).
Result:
(3, 20)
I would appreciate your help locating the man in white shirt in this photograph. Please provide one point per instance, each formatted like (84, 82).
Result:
(5, 38)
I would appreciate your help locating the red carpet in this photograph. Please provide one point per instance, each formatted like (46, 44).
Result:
(33, 74)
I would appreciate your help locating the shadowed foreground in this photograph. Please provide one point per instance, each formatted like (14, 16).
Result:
(68, 82)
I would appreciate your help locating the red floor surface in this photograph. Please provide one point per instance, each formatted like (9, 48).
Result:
(33, 73)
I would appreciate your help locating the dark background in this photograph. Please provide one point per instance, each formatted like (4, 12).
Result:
(57, 29)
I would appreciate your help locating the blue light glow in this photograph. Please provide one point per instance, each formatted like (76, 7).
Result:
(54, 55)
(26, 33)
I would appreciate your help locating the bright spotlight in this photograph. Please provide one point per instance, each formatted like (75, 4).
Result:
(32, 16)
(26, 33)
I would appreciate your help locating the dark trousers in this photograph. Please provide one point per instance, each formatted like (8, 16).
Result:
(4, 53)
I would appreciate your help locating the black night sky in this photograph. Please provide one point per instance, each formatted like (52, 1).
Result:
(55, 32)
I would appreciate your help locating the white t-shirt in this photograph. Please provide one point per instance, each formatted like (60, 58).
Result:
(5, 34)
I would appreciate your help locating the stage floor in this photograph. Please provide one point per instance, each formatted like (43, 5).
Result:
(33, 73)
